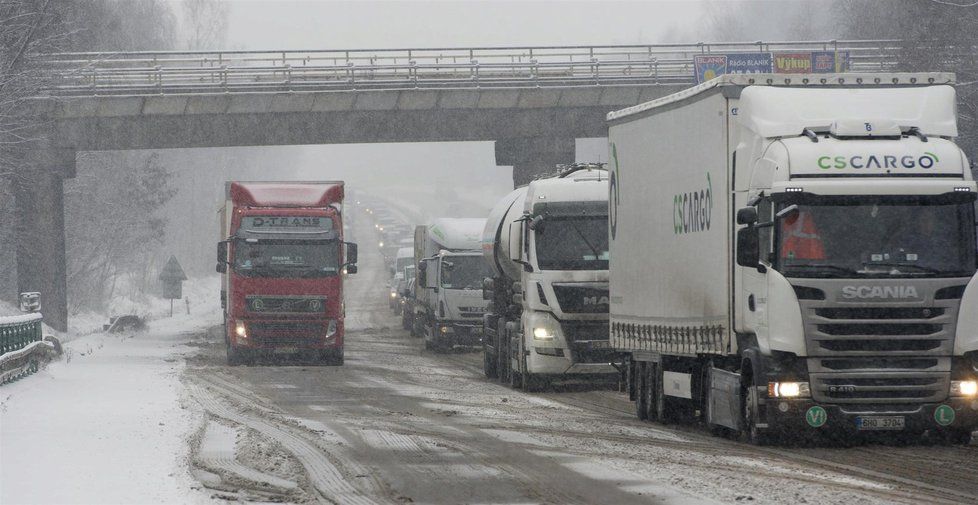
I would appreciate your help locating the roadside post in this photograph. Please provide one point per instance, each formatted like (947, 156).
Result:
(172, 278)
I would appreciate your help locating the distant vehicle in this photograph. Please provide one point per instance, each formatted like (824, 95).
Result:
(400, 285)
(547, 244)
(392, 297)
(450, 269)
(796, 256)
(404, 257)
(283, 259)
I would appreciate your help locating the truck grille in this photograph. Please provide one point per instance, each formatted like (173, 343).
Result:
(584, 330)
(889, 351)
(287, 334)
(857, 388)
(582, 298)
(286, 304)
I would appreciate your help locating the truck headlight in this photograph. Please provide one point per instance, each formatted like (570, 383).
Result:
(445, 329)
(542, 333)
(331, 328)
(788, 390)
(393, 295)
(964, 388)
(240, 330)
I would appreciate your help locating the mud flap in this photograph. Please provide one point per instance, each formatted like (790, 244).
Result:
(724, 398)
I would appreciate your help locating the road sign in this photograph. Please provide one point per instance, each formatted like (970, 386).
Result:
(172, 277)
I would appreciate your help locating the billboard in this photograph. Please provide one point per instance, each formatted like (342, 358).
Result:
(709, 66)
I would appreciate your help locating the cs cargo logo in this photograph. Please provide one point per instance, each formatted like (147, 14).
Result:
(692, 211)
(614, 195)
(865, 162)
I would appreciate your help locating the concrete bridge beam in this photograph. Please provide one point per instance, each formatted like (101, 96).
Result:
(41, 261)
(533, 156)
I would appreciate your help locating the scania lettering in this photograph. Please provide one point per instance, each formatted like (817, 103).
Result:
(547, 244)
(283, 259)
(822, 281)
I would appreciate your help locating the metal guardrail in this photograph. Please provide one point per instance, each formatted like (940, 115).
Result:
(17, 334)
(202, 72)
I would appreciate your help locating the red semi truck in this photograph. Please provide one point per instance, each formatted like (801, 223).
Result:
(283, 258)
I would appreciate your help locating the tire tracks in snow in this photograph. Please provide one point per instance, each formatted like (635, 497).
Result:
(328, 479)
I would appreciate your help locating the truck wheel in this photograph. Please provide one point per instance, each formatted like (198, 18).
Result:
(235, 356)
(502, 352)
(332, 357)
(641, 386)
(488, 363)
(534, 383)
(955, 437)
(751, 410)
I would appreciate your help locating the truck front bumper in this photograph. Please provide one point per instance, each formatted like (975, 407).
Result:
(286, 335)
(576, 361)
(465, 333)
(793, 417)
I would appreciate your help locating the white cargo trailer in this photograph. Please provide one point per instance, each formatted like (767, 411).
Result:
(796, 255)
(449, 305)
(547, 244)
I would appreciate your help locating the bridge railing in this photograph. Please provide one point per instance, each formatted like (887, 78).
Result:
(143, 73)
(18, 337)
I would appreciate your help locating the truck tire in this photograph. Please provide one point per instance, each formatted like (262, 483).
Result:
(502, 352)
(235, 356)
(750, 409)
(533, 383)
(332, 357)
(489, 367)
(641, 387)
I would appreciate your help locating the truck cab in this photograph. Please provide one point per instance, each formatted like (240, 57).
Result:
(283, 259)
(454, 282)
(548, 245)
(857, 255)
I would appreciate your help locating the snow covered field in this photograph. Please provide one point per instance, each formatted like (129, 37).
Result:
(109, 422)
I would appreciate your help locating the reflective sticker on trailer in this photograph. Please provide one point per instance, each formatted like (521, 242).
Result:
(816, 417)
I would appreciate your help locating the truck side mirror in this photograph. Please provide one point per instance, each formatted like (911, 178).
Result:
(222, 256)
(748, 246)
(747, 215)
(351, 254)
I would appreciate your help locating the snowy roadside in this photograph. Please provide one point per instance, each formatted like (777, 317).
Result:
(109, 422)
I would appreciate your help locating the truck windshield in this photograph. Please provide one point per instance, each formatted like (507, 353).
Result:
(463, 272)
(573, 243)
(877, 239)
(287, 258)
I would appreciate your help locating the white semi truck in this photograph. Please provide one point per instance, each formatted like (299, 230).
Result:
(450, 270)
(793, 255)
(547, 244)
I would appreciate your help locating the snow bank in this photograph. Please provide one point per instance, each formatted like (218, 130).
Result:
(108, 424)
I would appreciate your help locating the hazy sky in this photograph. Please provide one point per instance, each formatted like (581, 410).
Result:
(289, 24)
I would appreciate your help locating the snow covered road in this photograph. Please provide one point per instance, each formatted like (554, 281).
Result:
(158, 417)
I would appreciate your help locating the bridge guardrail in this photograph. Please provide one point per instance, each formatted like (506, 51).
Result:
(22, 346)
(174, 72)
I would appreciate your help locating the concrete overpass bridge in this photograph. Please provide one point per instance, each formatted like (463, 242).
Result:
(533, 102)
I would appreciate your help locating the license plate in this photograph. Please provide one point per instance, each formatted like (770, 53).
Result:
(285, 350)
(880, 422)
(598, 344)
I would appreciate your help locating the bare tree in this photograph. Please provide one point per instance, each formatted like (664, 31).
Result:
(204, 23)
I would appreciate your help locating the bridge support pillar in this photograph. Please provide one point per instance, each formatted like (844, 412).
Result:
(533, 156)
(41, 265)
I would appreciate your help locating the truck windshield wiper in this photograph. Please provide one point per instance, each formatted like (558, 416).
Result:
(833, 268)
(586, 241)
(920, 268)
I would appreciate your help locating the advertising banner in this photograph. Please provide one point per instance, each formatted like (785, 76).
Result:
(709, 66)
(749, 63)
(793, 63)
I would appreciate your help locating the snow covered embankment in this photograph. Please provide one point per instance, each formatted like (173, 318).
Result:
(109, 422)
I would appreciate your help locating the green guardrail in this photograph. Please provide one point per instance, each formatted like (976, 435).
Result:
(17, 333)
